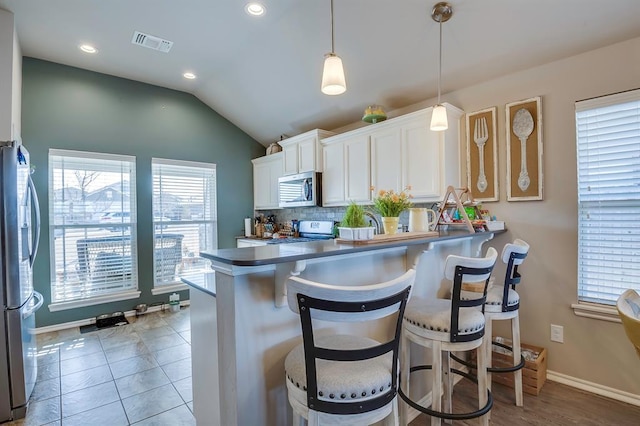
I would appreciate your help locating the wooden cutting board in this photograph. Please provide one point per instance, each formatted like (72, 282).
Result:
(390, 238)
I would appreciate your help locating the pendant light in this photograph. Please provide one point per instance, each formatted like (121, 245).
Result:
(440, 13)
(333, 81)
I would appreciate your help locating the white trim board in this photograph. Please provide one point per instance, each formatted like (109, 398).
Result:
(595, 388)
(89, 321)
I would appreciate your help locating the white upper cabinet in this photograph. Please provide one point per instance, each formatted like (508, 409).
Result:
(303, 153)
(266, 171)
(346, 174)
(394, 154)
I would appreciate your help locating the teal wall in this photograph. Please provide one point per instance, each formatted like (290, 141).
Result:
(70, 108)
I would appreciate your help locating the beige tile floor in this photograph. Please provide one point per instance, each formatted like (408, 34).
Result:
(134, 374)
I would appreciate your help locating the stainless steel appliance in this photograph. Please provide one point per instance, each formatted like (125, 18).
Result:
(310, 230)
(303, 189)
(18, 245)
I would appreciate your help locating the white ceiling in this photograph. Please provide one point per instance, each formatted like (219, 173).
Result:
(263, 74)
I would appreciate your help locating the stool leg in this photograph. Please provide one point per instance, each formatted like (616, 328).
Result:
(447, 380)
(392, 418)
(482, 377)
(314, 418)
(436, 384)
(488, 338)
(515, 334)
(405, 365)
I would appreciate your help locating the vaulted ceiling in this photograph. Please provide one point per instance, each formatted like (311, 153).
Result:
(263, 74)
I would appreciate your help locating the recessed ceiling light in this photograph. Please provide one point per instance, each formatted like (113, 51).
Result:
(189, 75)
(255, 9)
(87, 48)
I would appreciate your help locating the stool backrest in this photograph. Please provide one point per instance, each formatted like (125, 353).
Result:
(348, 304)
(628, 305)
(513, 254)
(461, 269)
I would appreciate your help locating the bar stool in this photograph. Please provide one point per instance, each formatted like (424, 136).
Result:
(345, 379)
(448, 325)
(503, 303)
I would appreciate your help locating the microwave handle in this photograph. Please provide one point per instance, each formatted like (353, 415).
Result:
(306, 189)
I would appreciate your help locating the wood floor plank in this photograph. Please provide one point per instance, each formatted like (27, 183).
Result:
(557, 405)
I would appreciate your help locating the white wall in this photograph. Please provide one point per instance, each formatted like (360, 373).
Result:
(10, 78)
(593, 350)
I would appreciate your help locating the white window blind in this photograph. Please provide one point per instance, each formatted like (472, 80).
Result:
(184, 217)
(92, 217)
(608, 148)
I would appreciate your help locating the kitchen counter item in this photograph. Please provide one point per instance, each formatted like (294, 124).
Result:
(247, 227)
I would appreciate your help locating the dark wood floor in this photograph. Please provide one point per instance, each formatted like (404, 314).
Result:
(556, 405)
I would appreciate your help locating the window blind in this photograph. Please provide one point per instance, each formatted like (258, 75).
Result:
(92, 217)
(184, 217)
(608, 150)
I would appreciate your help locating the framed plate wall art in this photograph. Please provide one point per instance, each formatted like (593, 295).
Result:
(524, 150)
(482, 155)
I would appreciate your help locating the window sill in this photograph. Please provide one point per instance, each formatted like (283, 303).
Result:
(596, 311)
(169, 288)
(98, 300)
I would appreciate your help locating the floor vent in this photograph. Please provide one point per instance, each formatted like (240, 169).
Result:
(151, 42)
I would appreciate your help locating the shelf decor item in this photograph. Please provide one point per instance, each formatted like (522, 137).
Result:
(524, 150)
(354, 225)
(482, 155)
(389, 204)
(374, 114)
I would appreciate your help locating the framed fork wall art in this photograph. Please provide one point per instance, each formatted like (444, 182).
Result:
(482, 155)
(524, 150)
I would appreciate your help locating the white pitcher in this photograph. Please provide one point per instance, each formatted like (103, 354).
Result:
(419, 219)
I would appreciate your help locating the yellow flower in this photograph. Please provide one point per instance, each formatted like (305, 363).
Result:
(390, 204)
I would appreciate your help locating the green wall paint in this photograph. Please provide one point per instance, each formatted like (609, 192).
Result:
(70, 108)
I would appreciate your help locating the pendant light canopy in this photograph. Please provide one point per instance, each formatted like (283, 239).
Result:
(440, 13)
(333, 81)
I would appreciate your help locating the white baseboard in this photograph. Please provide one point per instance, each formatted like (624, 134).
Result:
(89, 321)
(601, 390)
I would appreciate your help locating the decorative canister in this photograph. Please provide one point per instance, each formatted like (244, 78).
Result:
(273, 148)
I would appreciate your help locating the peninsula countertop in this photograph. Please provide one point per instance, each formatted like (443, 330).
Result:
(292, 252)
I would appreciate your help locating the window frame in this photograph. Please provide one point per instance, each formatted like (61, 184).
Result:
(210, 206)
(596, 305)
(127, 291)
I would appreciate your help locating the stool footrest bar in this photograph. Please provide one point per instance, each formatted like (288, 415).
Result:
(511, 369)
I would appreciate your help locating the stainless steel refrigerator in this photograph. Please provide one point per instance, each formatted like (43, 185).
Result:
(19, 237)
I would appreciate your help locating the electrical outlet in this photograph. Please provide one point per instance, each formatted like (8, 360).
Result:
(557, 333)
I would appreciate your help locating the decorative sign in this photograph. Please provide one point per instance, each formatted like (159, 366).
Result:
(482, 155)
(524, 150)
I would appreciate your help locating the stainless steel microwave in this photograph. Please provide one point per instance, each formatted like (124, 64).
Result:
(304, 189)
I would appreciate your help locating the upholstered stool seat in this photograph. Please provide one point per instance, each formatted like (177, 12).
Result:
(444, 326)
(495, 296)
(354, 381)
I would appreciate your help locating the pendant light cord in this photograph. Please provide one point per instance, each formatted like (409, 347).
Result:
(332, 42)
(439, 61)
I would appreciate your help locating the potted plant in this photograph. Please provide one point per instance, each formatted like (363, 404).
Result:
(353, 225)
(389, 204)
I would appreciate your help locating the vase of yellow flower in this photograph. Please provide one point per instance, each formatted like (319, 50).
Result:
(389, 204)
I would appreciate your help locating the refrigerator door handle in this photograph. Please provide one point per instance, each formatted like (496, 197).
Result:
(36, 238)
(26, 314)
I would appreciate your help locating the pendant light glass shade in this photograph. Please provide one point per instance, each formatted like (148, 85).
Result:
(439, 118)
(333, 82)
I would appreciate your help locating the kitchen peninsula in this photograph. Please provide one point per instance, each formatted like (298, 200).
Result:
(242, 328)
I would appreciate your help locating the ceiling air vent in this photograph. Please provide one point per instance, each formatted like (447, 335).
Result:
(151, 42)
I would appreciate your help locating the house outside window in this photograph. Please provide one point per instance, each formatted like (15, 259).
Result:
(184, 220)
(92, 228)
(608, 150)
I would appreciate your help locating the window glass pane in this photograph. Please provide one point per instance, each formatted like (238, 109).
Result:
(184, 216)
(92, 220)
(608, 145)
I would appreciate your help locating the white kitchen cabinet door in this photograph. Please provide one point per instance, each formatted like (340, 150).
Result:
(303, 152)
(421, 160)
(386, 159)
(357, 169)
(266, 171)
(333, 177)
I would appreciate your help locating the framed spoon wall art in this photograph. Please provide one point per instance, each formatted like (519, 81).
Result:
(482, 155)
(524, 149)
